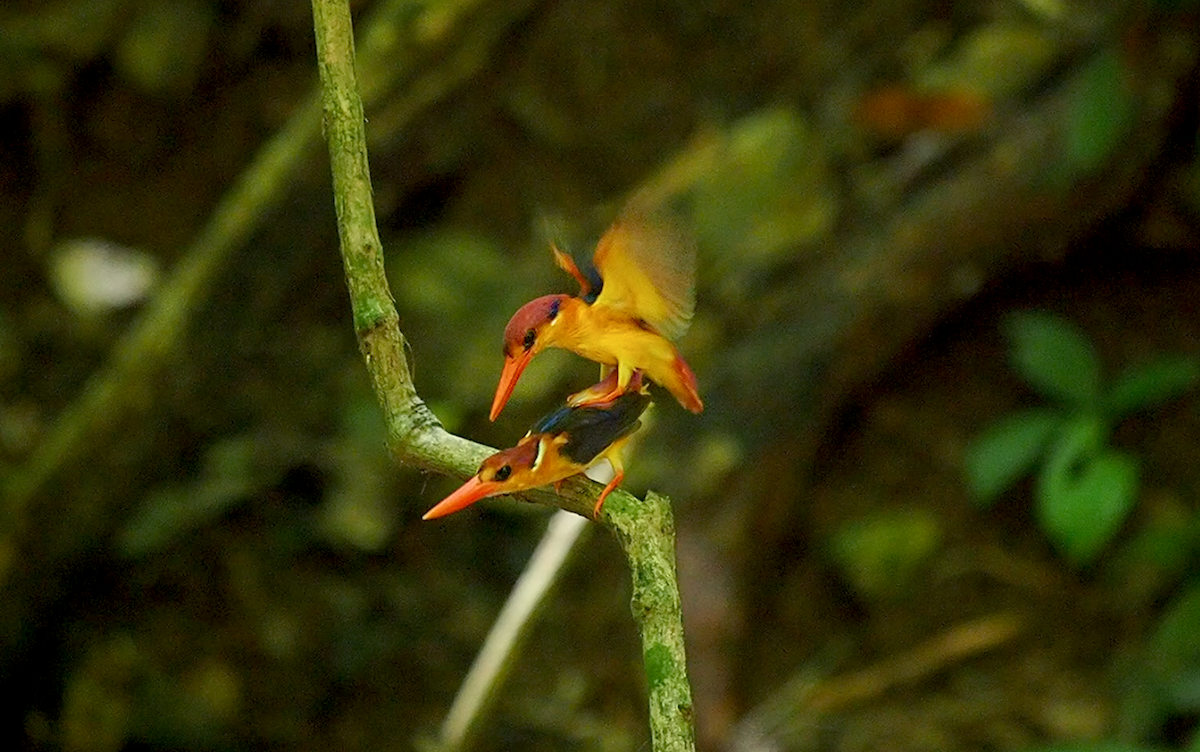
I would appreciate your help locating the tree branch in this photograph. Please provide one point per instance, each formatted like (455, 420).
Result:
(644, 529)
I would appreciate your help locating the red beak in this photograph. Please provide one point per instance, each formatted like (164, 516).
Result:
(513, 366)
(467, 494)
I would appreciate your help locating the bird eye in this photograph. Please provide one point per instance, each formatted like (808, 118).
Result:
(530, 336)
(503, 473)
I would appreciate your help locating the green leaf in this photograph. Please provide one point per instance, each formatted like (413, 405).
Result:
(1007, 450)
(1175, 650)
(1053, 356)
(882, 555)
(1151, 384)
(1100, 112)
(1162, 548)
(1084, 492)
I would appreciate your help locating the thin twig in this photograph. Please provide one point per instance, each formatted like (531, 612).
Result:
(797, 707)
(935, 654)
(497, 655)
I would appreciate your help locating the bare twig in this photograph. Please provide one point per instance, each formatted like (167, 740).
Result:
(798, 705)
(499, 651)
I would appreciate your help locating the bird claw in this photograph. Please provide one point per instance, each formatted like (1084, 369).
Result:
(616, 481)
(587, 398)
(606, 392)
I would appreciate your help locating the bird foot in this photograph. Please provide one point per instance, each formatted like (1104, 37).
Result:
(589, 398)
(606, 392)
(612, 484)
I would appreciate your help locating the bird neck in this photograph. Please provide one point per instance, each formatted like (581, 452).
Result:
(570, 325)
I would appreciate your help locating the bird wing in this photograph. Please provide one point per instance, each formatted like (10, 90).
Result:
(648, 270)
(586, 275)
(591, 430)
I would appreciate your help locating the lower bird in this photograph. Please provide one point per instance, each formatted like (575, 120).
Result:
(564, 443)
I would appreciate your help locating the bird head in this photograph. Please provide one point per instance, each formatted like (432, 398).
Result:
(528, 332)
(504, 472)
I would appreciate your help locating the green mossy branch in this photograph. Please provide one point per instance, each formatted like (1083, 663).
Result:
(645, 530)
(647, 536)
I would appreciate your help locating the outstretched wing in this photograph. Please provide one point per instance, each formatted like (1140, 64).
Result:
(647, 265)
(591, 430)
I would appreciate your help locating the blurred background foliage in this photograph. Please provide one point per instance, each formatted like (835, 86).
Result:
(238, 564)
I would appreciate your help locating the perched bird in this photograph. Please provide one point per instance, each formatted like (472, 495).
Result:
(637, 298)
(562, 444)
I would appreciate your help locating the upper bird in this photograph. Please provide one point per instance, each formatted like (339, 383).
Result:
(638, 297)
(562, 444)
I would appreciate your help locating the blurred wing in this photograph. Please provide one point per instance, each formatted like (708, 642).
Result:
(559, 235)
(585, 274)
(648, 271)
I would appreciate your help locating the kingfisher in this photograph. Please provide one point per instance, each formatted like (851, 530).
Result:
(637, 295)
(564, 443)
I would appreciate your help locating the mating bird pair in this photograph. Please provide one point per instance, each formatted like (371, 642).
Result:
(637, 295)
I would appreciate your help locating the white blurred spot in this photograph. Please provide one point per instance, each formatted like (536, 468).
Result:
(92, 275)
(601, 472)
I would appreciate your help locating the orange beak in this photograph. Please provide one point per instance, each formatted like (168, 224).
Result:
(513, 366)
(467, 494)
